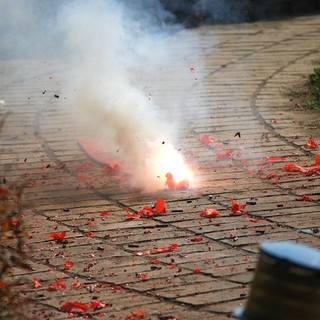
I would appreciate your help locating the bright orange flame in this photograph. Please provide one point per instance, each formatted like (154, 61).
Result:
(167, 160)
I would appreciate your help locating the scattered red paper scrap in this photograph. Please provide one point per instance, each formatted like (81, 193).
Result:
(36, 283)
(98, 305)
(227, 154)
(82, 307)
(196, 270)
(311, 144)
(148, 212)
(317, 162)
(138, 314)
(144, 277)
(104, 213)
(237, 208)
(207, 140)
(74, 306)
(85, 166)
(210, 213)
(304, 198)
(58, 285)
(171, 248)
(196, 239)
(57, 236)
(154, 261)
(250, 219)
(76, 283)
(160, 206)
(68, 265)
(292, 167)
(89, 234)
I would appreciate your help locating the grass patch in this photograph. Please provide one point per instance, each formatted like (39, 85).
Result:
(313, 100)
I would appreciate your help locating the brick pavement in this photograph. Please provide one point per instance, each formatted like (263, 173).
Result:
(241, 87)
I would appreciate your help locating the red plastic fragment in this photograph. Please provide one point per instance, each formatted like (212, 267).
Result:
(68, 265)
(58, 235)
(210, 213)
(311, 144)
(36, 283)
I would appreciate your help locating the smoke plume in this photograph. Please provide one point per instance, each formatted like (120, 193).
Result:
(113, 53)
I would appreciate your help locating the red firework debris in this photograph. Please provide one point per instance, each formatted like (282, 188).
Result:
(36, 283)
(89, 234)
(58, 236)
(271, 175)
(58, 285)
(304, 198)
(250, 219)
(171, 248)
(138, 314)
(160, 206)
(144, 277)
(196, 270)
(104, 213)
(154, 261)
(131, 216)
(227, 154)
(196, 239)
(173, 185)
(292, 167)
(237, 208)
(207, 140)
(210, 213)
(311, 144)
(148, 212)
(85, 166)
(98, 305)
(72, 306)
(317, 162)
(68, 265)
(76, 284)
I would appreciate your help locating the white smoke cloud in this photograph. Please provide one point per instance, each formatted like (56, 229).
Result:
(112, 50)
